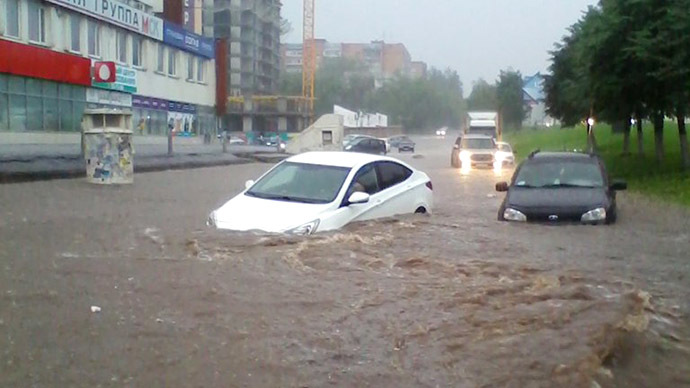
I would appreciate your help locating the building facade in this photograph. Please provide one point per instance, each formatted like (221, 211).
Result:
(165, 74)
(383, 60)
(251, 29)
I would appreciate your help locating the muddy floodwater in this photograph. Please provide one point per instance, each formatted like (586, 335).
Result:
(124, 286)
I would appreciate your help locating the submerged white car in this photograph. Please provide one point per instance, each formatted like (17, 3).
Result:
(321, 191)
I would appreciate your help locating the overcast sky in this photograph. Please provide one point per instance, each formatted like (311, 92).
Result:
(477, 38)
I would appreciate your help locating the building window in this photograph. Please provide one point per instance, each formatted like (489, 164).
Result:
(172, 58)
(190, 68)
(137, 59)
(161, 58)
(37, 23)
(94, 38)
(121, 47)
(12, 18)
(74, 24)
(200, 70)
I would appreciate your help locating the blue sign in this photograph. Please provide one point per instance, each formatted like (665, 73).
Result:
(188, 41)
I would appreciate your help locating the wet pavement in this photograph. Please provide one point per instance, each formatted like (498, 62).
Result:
(455, 299)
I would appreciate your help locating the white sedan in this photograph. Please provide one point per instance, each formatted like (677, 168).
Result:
(321, 191)
(504, 154)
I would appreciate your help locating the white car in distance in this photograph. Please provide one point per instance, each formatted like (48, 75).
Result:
(504, 154)
(322, 191)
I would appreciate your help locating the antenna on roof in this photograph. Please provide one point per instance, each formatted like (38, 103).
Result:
(531, 155)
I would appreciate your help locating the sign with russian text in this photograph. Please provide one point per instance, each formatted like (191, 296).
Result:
(188, 41)
(125, 80)
(117, 13)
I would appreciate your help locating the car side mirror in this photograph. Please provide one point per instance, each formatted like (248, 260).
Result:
(619, 185)
(248, 184)
(502, 187)
(358, 197)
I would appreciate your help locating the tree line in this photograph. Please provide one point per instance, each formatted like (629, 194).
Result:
(623, 62)
(418, 104)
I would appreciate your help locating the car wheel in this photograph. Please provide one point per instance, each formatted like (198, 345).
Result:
(453, 160)
(420, 210)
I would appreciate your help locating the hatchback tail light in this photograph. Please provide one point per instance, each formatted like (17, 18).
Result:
(429, 185)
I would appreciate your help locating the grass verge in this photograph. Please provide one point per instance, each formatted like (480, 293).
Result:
(666, 181)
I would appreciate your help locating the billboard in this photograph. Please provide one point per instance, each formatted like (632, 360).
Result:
(188, 41)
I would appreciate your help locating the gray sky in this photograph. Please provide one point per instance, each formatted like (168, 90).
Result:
(477, 38)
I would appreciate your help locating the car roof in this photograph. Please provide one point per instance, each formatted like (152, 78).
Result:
(562, 155)
(339, 158)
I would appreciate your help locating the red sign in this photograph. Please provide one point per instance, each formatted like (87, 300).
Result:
(31, 61)
(104, 72)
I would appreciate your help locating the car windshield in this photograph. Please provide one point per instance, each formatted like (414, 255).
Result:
(505, 148)
(559, 174)
(478, 143)
(299, 182)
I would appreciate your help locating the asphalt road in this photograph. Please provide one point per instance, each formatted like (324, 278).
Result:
(452, 299)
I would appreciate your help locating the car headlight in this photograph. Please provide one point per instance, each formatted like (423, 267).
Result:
(306, 229)
(282, 146)
(465, 156)
(598, 214)
(514, 215)
(348, 147)
(500, 157)
(211, 221)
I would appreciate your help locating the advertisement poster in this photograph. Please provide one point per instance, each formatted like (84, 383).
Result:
(182, 123)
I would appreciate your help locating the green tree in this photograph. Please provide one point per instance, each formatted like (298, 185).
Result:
(482, 97)
(509, 96)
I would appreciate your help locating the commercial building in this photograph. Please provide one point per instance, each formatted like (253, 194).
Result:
(383, 60)
(165, 74)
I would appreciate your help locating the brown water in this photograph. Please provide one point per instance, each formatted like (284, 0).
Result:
(452, 299)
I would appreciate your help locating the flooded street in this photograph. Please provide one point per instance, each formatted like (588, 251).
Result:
(452, 299)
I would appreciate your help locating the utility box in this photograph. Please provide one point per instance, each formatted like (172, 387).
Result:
(107, 146)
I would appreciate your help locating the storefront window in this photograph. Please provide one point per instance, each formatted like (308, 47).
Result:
(50, 114)
(37, 22)
(34, 113)
(33, 87)
(4, 125)
(12, 18)
(17, 113)
(49, 89)
(66, 119)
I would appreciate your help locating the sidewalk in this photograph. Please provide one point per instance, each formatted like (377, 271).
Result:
(28, 157)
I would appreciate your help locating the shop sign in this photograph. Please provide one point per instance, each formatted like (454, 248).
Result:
(125, 80)
(117, 13)
(188, 41)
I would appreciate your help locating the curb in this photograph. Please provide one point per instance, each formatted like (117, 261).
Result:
(162, 163)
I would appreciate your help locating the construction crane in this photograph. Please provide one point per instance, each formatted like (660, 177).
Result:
(308, 57)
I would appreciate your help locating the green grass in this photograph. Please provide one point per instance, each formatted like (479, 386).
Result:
(666, 181)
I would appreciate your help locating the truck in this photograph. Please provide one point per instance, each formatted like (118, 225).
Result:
(483, 123)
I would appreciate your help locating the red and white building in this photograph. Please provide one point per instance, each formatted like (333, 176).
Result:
(165, 75)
